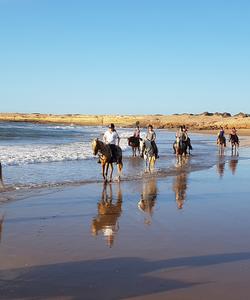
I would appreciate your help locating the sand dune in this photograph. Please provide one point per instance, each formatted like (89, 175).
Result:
(204, 121)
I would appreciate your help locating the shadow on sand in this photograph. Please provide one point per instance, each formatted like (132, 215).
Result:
(112, 278)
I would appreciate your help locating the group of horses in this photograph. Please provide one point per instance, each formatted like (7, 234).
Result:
(144, 147)
(181, 148)
(233, 139)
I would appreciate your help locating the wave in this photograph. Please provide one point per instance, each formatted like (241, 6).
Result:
(11, 155)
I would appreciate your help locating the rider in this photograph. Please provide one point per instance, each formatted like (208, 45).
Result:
(182, 134)
(151, 136)
(221, 136)
(137, 132)
(111, 138)
(234, 135)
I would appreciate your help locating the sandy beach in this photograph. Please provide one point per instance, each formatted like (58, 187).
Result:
(182, 235)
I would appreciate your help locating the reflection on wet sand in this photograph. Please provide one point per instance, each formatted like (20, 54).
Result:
(180, 188)
(1, 227)
(148, 198)
(106, 221)
(233, 163)
(221, 166)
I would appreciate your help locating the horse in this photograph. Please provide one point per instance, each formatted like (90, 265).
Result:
(221, 142)
(180, 148)
(105, 154)
(189, 146)
(147, 152)
(134, 142)
(233, 138)
(1, 177)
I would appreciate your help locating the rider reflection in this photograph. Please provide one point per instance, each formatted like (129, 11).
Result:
(180, 187)
(106, 221)
(148, 199)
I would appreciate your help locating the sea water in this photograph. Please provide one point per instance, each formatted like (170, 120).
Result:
(51, 154)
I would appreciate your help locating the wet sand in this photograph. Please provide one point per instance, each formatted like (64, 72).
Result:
(174, 237)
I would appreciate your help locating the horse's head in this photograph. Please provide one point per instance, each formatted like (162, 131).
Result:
(95, 146)
(141, 145)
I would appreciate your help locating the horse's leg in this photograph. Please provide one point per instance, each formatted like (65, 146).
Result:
(111, 172)
(103, 171)
(152, 163)
(119, 168)
(107, 170)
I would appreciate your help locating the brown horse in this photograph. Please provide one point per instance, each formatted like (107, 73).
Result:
(105, 154)
(233, 138)
(180, 149)
(221, 142)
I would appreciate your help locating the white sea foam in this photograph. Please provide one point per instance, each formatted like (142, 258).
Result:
(44, 153)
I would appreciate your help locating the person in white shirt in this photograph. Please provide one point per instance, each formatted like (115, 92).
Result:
(112, 139)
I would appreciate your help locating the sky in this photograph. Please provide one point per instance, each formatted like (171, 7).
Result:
(124, 56)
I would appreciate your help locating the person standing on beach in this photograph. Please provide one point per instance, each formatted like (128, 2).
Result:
(112, 139)
(151, 136)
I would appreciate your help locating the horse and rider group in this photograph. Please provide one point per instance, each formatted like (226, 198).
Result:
(109, 151)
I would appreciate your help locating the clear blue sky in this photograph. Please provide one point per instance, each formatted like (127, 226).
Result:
(124, 56)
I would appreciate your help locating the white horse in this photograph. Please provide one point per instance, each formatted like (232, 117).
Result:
(148, 154)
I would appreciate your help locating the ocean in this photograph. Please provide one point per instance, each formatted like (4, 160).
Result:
(37, 155)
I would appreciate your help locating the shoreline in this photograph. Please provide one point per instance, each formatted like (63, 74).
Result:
(200, 122)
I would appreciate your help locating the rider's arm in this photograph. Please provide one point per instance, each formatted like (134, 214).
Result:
(118, 139)
(105, 138)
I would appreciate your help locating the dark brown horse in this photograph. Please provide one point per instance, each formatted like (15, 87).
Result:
(233, 138)
(105, 154)
(221, 142)
(134, 142)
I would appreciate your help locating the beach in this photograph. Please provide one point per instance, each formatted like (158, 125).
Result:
(179, 233)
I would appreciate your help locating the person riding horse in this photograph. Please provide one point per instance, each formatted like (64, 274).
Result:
(112, 138)
(134, 140)
(151, 136)
(221, 137)
(233, 136)
(183, 139)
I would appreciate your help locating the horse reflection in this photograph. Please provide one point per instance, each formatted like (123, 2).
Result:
(221, 166)
(180, 188)
(148, 198)
(106, 221)
(233, 163)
